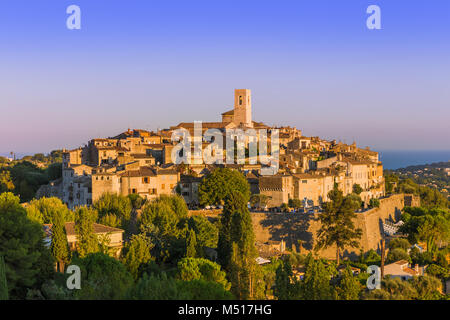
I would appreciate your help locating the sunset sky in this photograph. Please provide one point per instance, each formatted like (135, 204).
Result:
(147, 64)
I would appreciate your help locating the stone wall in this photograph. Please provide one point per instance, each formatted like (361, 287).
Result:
(293, 226)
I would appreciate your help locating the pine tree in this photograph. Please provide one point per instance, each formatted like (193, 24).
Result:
(337, 226)
(59, 246)
(3, 283)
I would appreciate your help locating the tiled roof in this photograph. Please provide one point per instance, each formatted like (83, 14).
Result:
(228, 113)
(98, 228)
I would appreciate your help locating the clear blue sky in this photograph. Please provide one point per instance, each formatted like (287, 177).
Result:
(147, 64)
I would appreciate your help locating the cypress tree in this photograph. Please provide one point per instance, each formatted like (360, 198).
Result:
(236, 247)
(59, 246)
(191, 245)
(3, 284)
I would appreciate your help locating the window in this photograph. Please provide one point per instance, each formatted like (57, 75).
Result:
(240, 100)
(145, 180)
(163, 186)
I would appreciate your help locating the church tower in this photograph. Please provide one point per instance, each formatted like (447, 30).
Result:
(243, 107)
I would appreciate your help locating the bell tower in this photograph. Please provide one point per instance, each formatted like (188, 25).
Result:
(243, 107)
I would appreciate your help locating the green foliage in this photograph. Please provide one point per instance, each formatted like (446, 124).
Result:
(399, 243)
(259, 200)
(316, 283)
(102, 278)
(392, 289)
(349, 287)
(54, 171)
(87, 242)
(161, 287)
(284, 207)
(136, 200)
(27, 179)
(236, 247)
(219, 185)
(426, 224)
(137, 253)
(374, 203)
(112, 204)
(164, 220)
(59, 246)
(202, 269)
(207, 233)
(3, 283)
(427, 287)
(28, 261)
(357, 189)
(286, 285)
(396, 255)
(46, 210)
(438, 271)
(6, 183)
(390, 180)
(191, 245)
(295, 203)
(337, 225)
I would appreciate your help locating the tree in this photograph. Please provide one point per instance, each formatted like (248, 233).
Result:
(206, 233)
(162, 287)
(259, 200)
(374, 203)
(202, 269)
(6, 183)
(28, 262)
(45, 210)
(399, 243)
(59, 246)
(337, 226)
(349, 287)
(88, 241)
(219, 184)
(113, 204)
(427, 287)
(191, 245)
(286, 285)
(164, 220)
(3, 282)
(102, 278)
(357, 189)
(392, 289)
(138, 252)
(397, 254)
(316, 283)
(136, 200)
(236, 247)
(295, 203)
(284, 207)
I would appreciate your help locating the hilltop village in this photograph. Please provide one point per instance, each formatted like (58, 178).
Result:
(224, 230)
(140, 162)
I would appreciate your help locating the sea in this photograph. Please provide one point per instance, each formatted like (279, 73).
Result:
(393, 159)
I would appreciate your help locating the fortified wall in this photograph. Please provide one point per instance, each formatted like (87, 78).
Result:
(292, 227)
